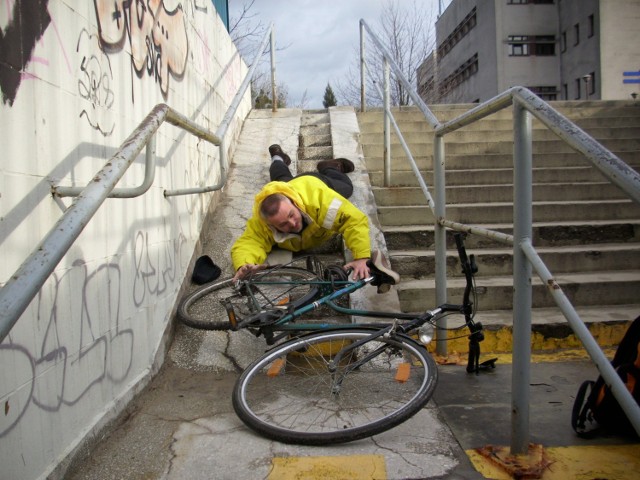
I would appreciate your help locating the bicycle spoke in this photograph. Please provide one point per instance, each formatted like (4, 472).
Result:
(307, 403)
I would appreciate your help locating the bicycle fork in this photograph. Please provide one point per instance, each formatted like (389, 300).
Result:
(338, 377)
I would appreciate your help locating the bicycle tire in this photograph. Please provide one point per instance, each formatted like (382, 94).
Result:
(293, 402)
(203, 309)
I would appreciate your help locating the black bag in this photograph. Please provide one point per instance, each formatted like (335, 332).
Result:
(601, 411)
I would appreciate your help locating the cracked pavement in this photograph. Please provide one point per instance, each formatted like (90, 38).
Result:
(183, 425)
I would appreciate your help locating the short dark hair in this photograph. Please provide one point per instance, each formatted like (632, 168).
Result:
(271, 204)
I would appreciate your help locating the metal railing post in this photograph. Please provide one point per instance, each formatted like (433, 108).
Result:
(522, 289)
(363, 100)
(274, 97)
(440, 240)
(387, 126)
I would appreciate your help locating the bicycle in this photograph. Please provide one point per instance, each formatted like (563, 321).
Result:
(326, 383)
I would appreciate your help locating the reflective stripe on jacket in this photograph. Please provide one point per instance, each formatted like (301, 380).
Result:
(326, 213)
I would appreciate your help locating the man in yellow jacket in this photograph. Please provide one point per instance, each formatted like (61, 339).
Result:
(303, 212)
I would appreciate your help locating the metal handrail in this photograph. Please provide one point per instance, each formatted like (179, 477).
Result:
(28, 279)
(525, 103)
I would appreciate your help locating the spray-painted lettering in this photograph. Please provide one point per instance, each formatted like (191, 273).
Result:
(157, 37)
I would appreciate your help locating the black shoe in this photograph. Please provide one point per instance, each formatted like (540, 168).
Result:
(276, 150)
(341, 164)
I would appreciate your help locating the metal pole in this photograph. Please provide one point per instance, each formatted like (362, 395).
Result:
(387, 127)
(611, 377)
(522, 291)
(274, 96)
(363, 98)
(440, 234)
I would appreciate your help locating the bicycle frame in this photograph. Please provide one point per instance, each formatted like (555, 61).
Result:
(281, 319)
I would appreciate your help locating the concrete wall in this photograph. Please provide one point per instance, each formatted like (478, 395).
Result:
(77, 76)
(530, 71)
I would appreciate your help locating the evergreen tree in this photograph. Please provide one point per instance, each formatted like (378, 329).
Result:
(329, 99)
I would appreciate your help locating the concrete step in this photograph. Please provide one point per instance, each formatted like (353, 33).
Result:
(496, 293)
(501, 147)
(574, 110)
(589, 124)
(585, 229)
(413, 136)
(402, 196)
(315, 153)
(417, 263)
(502, 212)
(314, 140)
(490, 176)
(594, 233)
(375, 162)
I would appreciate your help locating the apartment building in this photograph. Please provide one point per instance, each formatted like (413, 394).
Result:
(560, 49)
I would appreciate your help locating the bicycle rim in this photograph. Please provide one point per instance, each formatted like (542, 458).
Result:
(290, 395)
(282, 287)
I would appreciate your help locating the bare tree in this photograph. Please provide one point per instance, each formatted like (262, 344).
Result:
(247, 31)
(405, 30)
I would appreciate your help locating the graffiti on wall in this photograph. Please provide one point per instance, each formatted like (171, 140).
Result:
(17, 42)
(67, 360)
(94, 83)
(157, 37)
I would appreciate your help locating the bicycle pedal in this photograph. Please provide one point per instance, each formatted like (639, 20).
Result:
(231, 314)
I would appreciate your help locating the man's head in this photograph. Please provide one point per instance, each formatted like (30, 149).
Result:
(281, 213)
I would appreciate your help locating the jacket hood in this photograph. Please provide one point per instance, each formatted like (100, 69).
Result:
(277, 187)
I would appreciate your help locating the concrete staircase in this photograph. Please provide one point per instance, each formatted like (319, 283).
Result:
(586, 230)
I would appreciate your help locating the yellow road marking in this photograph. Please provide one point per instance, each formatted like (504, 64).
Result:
(621, 462)
(351, 467)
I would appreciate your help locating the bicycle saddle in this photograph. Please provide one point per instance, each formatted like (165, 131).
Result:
(384, 277)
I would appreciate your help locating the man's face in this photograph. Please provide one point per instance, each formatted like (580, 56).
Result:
(288, 219)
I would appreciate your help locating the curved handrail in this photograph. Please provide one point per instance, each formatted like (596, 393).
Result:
(618, 172)
(29, 278)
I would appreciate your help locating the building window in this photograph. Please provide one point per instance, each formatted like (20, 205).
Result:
(536, 45)
(460, 75)
(576, 32)
(591, 27)
(565, 91)
(547, 93)
(518, 46)
(461, 30)
(563, 42)
(578, 88)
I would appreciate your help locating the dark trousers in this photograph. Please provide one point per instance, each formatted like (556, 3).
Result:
(333, 178)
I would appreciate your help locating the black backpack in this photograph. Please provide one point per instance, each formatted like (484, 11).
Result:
(601, 411)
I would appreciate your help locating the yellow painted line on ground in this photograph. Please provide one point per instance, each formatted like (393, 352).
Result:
(620, 462)
(565, 355)
(351, 467)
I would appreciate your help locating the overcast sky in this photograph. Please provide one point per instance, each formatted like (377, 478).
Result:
(321, 37)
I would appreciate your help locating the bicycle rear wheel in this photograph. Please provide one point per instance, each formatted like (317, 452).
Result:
(282, 287)
(290, 395)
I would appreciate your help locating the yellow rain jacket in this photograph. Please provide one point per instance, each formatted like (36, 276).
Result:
(326, 213)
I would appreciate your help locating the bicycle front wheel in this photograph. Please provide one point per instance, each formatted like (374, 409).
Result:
(207, 307)
(292, 395)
